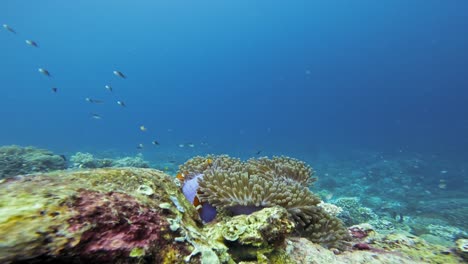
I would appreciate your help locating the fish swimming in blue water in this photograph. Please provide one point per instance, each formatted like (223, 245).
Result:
(7, 27)
(96, 116)
(108, 87)
(121, 103)
(93, 101)
(54, 89)
(119, 74)
(32, 43)
(44, 71)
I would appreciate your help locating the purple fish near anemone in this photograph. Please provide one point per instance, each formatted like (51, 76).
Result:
(190, 189)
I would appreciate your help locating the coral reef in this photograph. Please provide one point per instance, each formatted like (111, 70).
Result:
(89, 161)
(136, 162)
(16, 160)
(256, 236)
(134, 215)
(353, 212)
(331, 209)
(241, 188)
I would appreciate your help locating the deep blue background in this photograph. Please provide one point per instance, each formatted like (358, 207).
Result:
(286, 77)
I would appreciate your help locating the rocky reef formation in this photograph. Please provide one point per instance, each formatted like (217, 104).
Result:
(16, 160)
(103, 215)
(84, 160)
(136, 215)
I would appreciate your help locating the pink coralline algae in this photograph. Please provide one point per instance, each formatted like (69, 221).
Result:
(362, 246)
(358, 232)
(114, 224)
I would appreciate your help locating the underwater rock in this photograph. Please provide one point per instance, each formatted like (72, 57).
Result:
(361, 231)
(254, 236)
(88, 161)
(97, 215)
(16, 160)
(301, 250)
(379, 248)
(462, 248)
(413, 247)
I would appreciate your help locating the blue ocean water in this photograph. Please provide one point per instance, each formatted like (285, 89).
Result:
(237, 77)
(372, 94)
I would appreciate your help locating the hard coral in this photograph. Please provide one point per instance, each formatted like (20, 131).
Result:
(237, 187)
(88, 160)
(260, 233)
(16, 160)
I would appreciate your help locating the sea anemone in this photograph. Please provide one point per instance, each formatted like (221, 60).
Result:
(238, 187)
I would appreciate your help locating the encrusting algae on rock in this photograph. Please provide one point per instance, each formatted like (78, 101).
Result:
(93, 215)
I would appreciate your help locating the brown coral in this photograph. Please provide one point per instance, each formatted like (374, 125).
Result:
(243, 188)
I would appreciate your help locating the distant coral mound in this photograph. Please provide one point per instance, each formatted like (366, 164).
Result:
(86, 160)
(16, 160)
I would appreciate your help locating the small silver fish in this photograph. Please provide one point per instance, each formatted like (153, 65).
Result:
(93, 101)
(108, 87)
(96, 116)
(119, 74)
(7, 27)
(140, 146)
(32, 43)
(121, 103)
(44, 71)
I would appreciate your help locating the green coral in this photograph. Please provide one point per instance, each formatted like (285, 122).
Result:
(16, 160)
